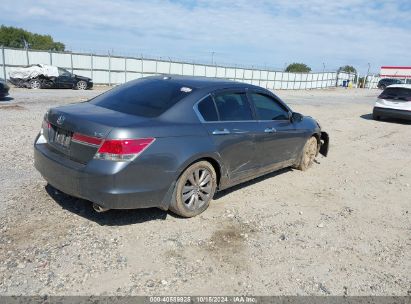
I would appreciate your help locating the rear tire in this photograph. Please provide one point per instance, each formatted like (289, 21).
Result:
(376, 117)
(194, 190)
(308, 154)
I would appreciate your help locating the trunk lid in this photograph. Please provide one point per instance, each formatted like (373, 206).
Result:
(85, 119)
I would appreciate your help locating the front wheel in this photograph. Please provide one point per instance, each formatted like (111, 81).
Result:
(308, 154)
(81, 85)
(35, 84)
(194, 190)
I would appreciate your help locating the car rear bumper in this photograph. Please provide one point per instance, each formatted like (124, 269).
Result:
(109, 184)
(391, 113)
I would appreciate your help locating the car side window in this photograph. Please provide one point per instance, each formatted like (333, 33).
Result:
(233, 106)
(63, 72)
(267, 108)
(207, 109)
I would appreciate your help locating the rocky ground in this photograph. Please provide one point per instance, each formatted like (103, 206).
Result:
(341, 228)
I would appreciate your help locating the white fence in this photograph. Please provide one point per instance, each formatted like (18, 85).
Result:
(371, 81)
(114, 70)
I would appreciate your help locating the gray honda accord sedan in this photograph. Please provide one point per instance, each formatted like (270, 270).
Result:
(172, 142)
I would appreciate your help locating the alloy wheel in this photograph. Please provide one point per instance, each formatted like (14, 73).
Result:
(197, 189)
(35, 84)
(81, 85)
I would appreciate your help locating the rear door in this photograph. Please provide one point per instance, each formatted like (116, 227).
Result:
(278, 140)
(228, 118)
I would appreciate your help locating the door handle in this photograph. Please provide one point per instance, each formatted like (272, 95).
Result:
(270, 130)
(221, 132)
(239, 131)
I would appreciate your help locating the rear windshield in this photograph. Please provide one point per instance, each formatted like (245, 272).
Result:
(143, 97)
(396, 93)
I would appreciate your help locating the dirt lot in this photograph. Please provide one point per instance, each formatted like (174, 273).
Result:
(342, 227)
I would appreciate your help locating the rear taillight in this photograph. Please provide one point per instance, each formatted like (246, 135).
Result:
(45, 127)
(88, 140)
(122, 149)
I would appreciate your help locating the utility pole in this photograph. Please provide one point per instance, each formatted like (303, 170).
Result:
(323, 67)
(4, 62)
(366, 76)
(212, 58)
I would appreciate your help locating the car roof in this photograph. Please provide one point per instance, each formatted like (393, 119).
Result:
(405, 86)
(199, 82)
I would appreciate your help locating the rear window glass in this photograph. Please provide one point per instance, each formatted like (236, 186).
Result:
(143, 97)
(396, 93)
(207, 109)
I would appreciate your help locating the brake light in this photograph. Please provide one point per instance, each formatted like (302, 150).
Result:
(84, 139)
(45, 126)
(122, 149)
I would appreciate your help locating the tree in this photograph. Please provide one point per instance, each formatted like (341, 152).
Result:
(298, 68)
(19, 38)
(348, 69)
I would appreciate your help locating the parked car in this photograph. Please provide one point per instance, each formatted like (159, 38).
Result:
(4, 88)
(172, 142)
(394, 102)
(385, 82)
(41, 76)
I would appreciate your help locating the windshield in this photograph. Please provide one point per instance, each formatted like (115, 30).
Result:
(143, 97)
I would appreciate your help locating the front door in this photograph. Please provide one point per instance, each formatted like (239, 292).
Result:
(278, 141)
(65, 79)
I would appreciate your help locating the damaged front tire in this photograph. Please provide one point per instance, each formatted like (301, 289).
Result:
(308, 154)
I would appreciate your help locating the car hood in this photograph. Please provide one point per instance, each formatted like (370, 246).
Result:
(82, 77)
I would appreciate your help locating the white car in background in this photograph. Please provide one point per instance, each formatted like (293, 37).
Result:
(394, 102)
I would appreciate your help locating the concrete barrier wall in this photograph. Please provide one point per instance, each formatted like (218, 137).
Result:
(113, 70)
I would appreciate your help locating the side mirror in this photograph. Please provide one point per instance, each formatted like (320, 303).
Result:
(296, 117)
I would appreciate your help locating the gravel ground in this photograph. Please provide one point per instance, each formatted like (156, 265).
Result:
(341, 228)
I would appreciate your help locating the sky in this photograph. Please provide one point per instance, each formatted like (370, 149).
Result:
(322, 34)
